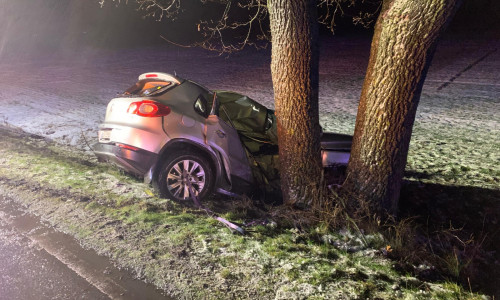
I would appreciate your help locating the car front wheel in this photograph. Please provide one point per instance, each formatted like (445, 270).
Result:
(179, 173)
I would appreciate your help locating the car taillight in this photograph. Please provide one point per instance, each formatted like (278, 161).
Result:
(148, 108)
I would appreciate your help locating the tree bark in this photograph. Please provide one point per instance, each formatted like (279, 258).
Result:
(294, 69)
(403, 44)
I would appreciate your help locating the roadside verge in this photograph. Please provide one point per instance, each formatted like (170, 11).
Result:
(185, 252)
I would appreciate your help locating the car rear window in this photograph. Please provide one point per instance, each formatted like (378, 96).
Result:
(148, 87)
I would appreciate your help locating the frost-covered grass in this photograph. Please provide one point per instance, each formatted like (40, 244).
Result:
(189, 254)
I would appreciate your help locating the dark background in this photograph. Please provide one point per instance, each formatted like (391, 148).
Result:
(32, 26)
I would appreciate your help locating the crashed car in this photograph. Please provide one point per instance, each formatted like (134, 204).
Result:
(185, 139)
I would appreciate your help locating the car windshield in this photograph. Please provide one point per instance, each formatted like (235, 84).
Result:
(148, 87)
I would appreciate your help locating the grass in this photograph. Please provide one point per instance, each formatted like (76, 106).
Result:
(189, 254)
(449, 205)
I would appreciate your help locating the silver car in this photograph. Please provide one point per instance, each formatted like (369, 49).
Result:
(184, 138)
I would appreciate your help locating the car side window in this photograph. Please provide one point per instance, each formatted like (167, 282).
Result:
(201, 106)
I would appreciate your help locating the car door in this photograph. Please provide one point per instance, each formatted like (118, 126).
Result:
(224, 138)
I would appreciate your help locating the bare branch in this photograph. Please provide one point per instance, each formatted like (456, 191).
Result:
(241, 22)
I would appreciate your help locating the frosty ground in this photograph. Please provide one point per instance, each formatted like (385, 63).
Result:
(62, 96)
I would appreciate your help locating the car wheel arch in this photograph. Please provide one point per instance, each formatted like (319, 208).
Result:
(187, 145)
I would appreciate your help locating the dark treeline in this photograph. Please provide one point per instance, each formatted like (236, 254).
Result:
(30, 26)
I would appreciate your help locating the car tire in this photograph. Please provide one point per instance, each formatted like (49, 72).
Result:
(177, 169)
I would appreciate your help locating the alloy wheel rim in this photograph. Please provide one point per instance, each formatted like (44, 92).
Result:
(181, 174)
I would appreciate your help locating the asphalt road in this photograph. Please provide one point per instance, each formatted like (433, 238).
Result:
(38, 262)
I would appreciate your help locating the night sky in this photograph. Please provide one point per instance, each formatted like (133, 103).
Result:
(28, 27)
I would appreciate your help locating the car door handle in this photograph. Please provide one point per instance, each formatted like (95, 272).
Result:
(221, 134)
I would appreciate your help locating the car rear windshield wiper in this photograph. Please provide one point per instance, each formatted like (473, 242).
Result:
(155, 91)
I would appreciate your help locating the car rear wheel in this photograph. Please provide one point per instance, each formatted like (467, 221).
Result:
(180, 172)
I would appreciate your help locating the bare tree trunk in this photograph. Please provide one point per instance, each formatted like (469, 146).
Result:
(294, 69)
(402, 48)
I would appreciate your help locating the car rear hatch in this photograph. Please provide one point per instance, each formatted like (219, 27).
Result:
(135, 118)
(132, 133)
